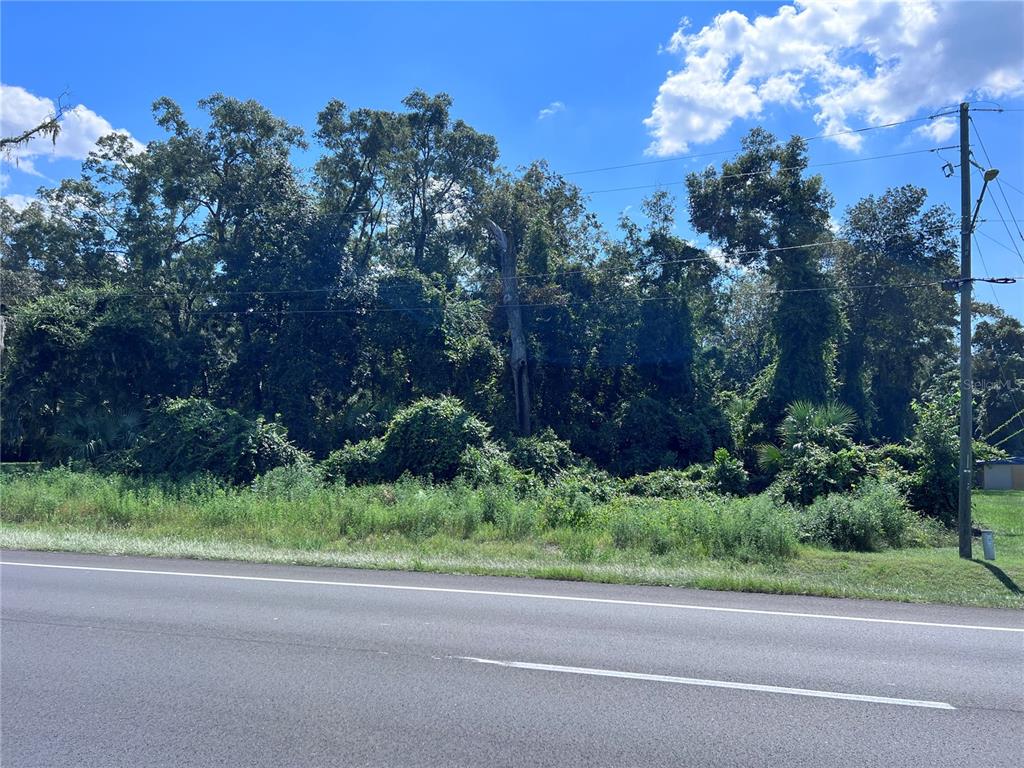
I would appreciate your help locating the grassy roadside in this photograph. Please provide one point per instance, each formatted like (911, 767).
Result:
(81, 517)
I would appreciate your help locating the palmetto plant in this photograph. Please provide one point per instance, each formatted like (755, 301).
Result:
(828, 425)
(86, 435)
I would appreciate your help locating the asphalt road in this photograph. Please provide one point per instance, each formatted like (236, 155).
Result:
(182, 663)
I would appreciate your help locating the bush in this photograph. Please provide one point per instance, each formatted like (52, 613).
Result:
(295, 481)
(429, 438)
(652, 435)
(812, 471)
(726, 474)
(873, 516)
(543, 454)
(355, 464)
(665, 484)
(514, 518)
(489, 465)
(934, 486)
(567, 504)
(185, 437)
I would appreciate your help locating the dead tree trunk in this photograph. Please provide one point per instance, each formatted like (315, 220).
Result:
(517, 357)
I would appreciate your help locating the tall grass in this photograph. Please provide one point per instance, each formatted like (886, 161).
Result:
(301, 512)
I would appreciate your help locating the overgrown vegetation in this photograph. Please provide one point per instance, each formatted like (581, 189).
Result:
(289, 515)
(218, 348)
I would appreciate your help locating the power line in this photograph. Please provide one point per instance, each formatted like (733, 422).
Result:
(681, 158)
(591, 302)
(999, 363)
(1008, 438)
(725, 256)
(786, 168)
(581, 303)
(1004, 424)
(1000, 243)
(999, 185)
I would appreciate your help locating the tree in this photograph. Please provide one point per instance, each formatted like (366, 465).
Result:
(894, 322)
(48, 128)
(763, 209)
(999, 380)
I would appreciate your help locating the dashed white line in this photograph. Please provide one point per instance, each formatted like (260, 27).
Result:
(695, 681)
(519, 595)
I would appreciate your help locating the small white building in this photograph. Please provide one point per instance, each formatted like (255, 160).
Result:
(1003, 474)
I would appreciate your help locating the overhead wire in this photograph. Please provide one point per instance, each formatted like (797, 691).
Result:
(999, 186)
(999, 364)
(776, 170)
(689, 156)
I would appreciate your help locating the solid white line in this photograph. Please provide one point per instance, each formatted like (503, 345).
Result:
(528, 595)
(713, 683)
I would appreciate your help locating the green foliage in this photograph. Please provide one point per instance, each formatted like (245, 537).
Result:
(429, 437)
(435, 438)
(567, 504)
(543, 454)
(634, 524)
(811, 471)
(727, 475)
(189, 436)
(290, 482)
(893, 239)
(651, 435)
(665, 484)
(356, 464)
(817, 456)
(363, 310)
(934, 487)
(866, 520)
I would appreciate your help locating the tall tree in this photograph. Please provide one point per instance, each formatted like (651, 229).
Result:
(763, 208)
(896, 243)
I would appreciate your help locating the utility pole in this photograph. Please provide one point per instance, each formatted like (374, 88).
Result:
(518, 361)
(966, 383)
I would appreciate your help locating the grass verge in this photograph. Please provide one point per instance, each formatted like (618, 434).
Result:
(464, 531)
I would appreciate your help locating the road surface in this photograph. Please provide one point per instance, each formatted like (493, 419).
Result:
(141, 662)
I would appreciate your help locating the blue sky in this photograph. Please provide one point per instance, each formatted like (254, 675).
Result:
(804, 69)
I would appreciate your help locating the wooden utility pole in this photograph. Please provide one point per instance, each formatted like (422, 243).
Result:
(517, 356)
(966, 383)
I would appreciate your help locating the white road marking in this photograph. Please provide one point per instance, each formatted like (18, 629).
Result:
(712, 683)
(526, 595)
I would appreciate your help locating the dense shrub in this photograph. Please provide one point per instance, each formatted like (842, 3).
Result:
(433, 438)
(873, 516)
(294, 481)
(726, 474)
(515, 518)
(665, 484)
(355, 464)
(567, 503)
(934, 486)
(812, 470)
(429, 437)
(490, 465)
(651, 435)
(544, 454)
(185, 437)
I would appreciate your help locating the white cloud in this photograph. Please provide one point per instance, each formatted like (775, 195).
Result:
(852, 62)
(80, 128)
(551, 110)
(940, 129)
(19, 202)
